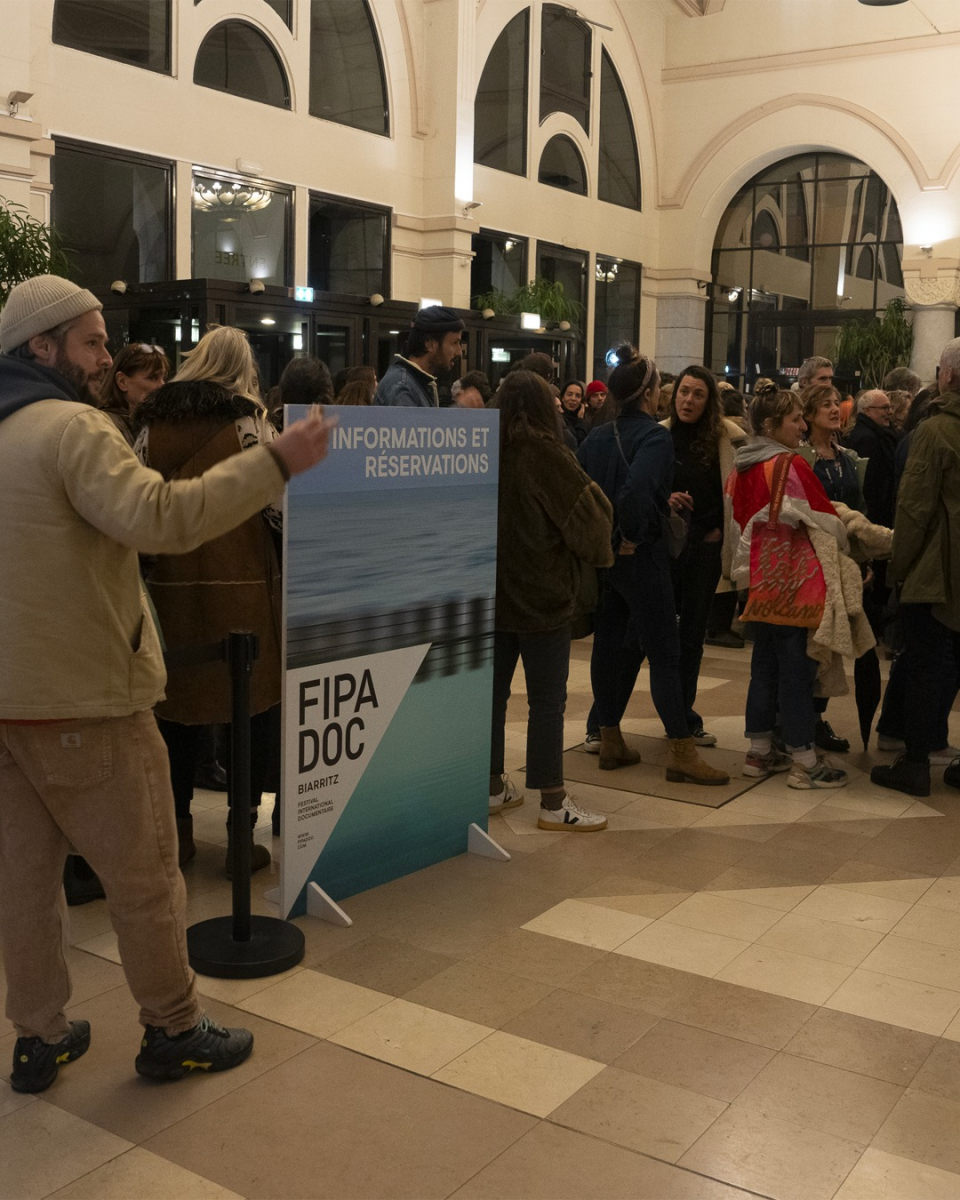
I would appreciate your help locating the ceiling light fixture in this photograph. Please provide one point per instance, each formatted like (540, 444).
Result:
(211, 196)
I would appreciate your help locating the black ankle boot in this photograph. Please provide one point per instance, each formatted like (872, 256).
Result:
(826, 739)
(904, 776)
(80, 881)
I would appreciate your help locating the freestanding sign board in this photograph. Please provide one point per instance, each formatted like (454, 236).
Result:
(390, 576)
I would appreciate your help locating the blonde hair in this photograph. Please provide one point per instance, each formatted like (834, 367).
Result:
(223, 356)
(772, 404)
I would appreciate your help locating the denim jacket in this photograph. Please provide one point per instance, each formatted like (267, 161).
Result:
(404, 385)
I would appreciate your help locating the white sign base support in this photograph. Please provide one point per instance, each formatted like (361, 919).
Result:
(320, 905)
(480, 842)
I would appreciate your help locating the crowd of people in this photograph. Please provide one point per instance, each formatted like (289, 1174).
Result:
(643, 508)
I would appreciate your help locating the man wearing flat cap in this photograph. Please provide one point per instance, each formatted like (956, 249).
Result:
(82, 762)
(433, 346)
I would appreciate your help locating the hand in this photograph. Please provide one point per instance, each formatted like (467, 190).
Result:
(305, 443)
(681, 500)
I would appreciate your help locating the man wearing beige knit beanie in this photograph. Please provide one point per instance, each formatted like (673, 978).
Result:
(81, 760)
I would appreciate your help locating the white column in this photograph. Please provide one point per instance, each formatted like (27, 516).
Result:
(933, 292)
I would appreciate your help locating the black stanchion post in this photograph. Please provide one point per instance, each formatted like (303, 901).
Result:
(242, 652)
(241, 946)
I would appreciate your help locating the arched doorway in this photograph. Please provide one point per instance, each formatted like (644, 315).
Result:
(805, 245)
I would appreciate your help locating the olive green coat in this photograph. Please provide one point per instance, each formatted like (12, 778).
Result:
(926, 535)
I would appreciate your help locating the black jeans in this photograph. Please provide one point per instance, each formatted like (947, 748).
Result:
(932, 677)
(546, 665)
(182, 747)
(637, 617)
(781, 679)
(695, 577)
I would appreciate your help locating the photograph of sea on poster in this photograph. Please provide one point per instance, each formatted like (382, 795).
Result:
(391, 543)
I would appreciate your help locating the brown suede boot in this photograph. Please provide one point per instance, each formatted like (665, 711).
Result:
(614, 751)
(259, 855)
(186, 847)
(686, 765)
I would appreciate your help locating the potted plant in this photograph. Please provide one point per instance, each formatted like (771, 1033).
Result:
(544, 296)
(27, 248)
(873, 348)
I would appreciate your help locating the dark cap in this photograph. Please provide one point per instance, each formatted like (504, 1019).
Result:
(437, 320)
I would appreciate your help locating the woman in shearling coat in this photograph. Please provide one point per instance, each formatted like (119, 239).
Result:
(210, 411)
(551, 518)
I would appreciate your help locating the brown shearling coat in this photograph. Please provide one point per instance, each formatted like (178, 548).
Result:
(229, 583)
(552, 517)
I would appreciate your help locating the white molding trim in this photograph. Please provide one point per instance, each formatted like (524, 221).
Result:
(697, 72)
(810, 100)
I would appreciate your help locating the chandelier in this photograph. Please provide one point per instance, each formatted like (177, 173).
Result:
(210, 195)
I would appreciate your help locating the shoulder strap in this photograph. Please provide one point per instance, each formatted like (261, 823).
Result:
(616, 434)
(778, 483)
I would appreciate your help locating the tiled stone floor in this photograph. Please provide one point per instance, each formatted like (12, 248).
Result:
(698, 1004)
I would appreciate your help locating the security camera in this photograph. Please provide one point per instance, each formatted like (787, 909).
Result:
(119, 286)
(376, 300)
(257, 286)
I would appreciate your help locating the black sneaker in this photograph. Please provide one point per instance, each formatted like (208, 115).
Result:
(904, 776)
(826, 739)
(206, 1047)
(36, 1062)
(951, 775)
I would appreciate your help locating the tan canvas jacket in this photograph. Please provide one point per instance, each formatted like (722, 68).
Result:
(76, 507)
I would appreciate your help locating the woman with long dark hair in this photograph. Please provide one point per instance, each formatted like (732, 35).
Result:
(632, 459)
(704, 444)
(551, 518)
(571, 409)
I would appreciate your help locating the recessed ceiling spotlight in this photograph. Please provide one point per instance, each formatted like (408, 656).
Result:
(882, 3)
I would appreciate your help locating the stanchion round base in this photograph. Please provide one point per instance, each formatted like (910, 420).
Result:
(274, 946)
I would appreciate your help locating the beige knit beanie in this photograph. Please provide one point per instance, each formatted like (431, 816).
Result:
(39, 304)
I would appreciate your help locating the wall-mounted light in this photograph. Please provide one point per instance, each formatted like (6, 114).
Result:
(470, 205)
(564, 326)
(119, 286)
(376, 300)
(15, 99)
(927, 250)
(487, 314)
(267, 321)
(530, 320)
(734, 294)
(256, 287)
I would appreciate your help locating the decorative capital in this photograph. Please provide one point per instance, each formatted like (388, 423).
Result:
(938, 291)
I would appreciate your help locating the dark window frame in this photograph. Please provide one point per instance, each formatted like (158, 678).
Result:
(381, 65)
(525, 139)
(564, 137)
(361, 206)
(97, 150)
(167, 68)
(499, 235)
(271, 185)
(606, 58)
(571, 254)
(268, 42)
(822, 167)
(575, 98)
(624, 262)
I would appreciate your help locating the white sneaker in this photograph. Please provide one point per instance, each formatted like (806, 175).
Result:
(889, 743)
(591, 743)
(508, 798)
(571, 818)
(823, 775)
(943, 758)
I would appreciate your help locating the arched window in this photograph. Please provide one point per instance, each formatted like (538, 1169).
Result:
(618, 180)
(564, 65)
(131, 31)
(283, 9)
(562, 167)
(347, 81)
(500, 108)
(804, 246)
(237, 58)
